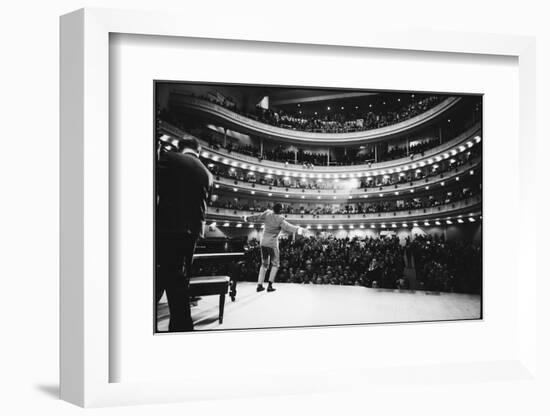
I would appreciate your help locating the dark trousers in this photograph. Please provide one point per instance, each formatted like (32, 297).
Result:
(174, 256)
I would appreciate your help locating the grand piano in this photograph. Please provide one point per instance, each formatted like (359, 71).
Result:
(221, 255)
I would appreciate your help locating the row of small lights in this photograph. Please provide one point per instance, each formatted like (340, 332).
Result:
(430, 161)
(356, 107)
(426, 223)
(381, 195)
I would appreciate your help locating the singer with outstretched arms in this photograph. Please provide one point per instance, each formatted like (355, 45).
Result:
(274, 223)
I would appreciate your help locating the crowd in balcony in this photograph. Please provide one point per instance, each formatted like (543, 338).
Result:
(371, 182)
(394, 205)
(310, 160)
(369, 262)
(333, 121)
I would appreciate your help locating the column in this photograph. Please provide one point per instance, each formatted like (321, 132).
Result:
(262, 147)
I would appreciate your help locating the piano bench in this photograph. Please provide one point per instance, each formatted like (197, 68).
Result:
(210, 285)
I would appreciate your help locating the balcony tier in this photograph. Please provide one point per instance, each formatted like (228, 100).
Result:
(246, 124)
(469, 207)
(310, 195)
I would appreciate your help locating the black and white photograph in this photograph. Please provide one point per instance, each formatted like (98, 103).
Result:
(292, 207)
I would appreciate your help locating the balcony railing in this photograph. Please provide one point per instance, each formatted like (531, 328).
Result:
(266, 130)
(312, 194)
(467, 207)
(250, 162)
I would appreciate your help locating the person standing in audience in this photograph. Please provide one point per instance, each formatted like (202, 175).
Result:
(274, 223)
(184, 188)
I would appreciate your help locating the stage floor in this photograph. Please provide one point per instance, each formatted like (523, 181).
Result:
(293, 305)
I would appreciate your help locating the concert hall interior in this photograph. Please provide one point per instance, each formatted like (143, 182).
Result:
(385, 185)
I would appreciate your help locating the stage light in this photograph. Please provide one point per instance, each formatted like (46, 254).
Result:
(405, 225)
(415, 224)
(445, 156)
(418, 171)
(302, 196)
(261, 170)
(226, 224)
(396, 193)
(213, 224)
(383, 225)
(351, 227)
(286, 178)
(216, 186)
(461, 148)
(308, 227)
(286, 196)
(412, 191)
(372, 226)
(318, 197)
(252, 168)
(349, 197)
(437, 223)
(204, 154)
(251, 226)
(430, 161)
(401, 174)
(234, 189)
(442, 183)
(215, 158)
(330, 227)
(239, 225)
(270, 194)
(340, 227)
(380, 195)
(457, 178)
(234, 164)
(232, 170)
(393, 226)
(361, 226)
(319, 227)
(225, 161)
(460, 221)
(263, 226)
(427, 187)
(333, 197)
(328, 108)
(426, 224)
(269, 171)
(279, 172)
(342, 108)
(471, 172)
(477, 139)
(454, 152)
(252, 192)
(449, 222)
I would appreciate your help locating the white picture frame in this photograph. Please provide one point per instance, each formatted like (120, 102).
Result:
(86, 355)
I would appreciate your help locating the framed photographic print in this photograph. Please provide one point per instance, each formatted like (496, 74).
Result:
(355, 206)
(281, 200)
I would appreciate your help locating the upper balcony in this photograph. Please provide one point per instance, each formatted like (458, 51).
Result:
(450, 148)
(248, 125)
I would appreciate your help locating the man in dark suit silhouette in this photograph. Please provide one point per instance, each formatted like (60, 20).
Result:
(184, 187)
